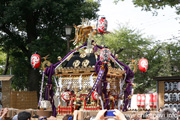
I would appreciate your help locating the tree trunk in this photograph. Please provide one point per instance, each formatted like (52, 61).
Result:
(33, 80)
(34, 75)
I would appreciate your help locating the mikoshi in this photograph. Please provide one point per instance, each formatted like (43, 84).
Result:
(89, 78)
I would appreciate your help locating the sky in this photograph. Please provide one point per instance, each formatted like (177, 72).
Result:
(163, 27)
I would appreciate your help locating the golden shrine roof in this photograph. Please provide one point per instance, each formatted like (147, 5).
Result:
(80, 63)
(66, 71)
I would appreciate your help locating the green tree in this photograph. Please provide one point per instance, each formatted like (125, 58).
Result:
(170, 65)
(149, 5)
(163, 58)
(130, 44)
(144, 80)
(38, 25)
(2, 61)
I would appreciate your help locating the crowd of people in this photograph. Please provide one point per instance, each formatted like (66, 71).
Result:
(24, 115)
(163, 114)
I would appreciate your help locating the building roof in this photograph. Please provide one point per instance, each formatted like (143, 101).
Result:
(167, 78)
(5, 77)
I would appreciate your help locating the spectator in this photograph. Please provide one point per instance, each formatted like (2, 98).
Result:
(42, 118)
(24, 115)
(167, 114)
(35, 117)
(87, 118)
(117, 113)
(100, 115)
(161, 108)
(15, 117)
(3, 113)
(50, 118)
(135, 117)
(68, 117)
(76, 112)
(146, 115)
(127, 117)
(90, 118)
(178, 115)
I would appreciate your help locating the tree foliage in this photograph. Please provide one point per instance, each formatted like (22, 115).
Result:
(130, 45)
(149, 5)
(126, 41)
(171, 65)
(2, 61)
(38, 25)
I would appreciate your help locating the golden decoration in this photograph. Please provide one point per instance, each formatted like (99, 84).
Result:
(76, 63)
(77, 48)
(83, 55)
(69, 57)
(85, 63)
(46, 63)
(96, 53)
(130, 96)
(82, 32)
(133, 67)
(116, 56)
(45, 58)
(133, 85)
(109, 64)
(59, 58)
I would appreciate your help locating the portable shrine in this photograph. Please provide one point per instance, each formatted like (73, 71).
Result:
(77, 79)
(88, 78)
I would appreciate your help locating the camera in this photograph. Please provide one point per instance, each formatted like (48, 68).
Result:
(109, 113)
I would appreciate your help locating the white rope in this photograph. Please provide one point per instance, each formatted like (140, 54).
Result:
(68, 87)
(60, 82)
(101, 102)
(80, 81)
(41, 91)
(56, 82)
(91, 80)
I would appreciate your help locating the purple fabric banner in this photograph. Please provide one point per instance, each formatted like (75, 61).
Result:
(49, 71)
(130, 75)
(101, 90)
(100, 74)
